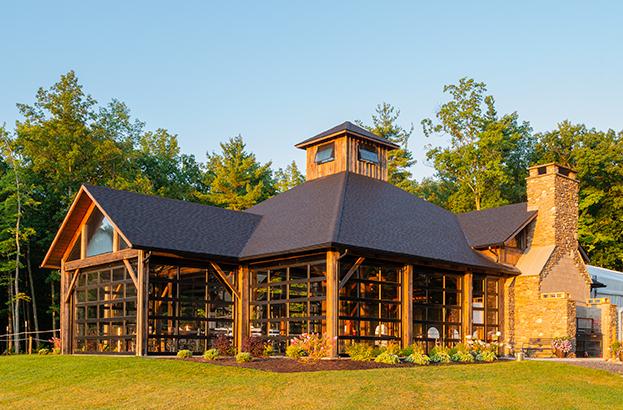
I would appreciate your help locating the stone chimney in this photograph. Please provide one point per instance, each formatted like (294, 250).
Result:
(553, 193)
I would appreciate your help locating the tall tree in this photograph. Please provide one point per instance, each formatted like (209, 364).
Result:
(288, 178)
(13, 232)
(399, 161)
(487, 155)
(169, 172)
(236, 180)
(598, 158)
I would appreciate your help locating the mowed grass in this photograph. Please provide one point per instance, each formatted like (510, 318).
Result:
(113, 382)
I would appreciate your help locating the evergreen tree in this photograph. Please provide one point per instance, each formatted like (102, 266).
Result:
(288, 178)
(235, 179)
(399, 161)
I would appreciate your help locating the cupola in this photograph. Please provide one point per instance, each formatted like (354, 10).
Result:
(347, 147)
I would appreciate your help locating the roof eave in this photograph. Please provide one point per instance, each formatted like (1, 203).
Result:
(314, 141)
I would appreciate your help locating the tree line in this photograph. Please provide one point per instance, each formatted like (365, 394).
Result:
(66, 138)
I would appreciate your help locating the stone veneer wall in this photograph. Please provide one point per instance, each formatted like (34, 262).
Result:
(556, 197)
(534, 319)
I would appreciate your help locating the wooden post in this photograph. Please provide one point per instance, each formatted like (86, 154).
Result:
(333, 276)
(466, 305)
(29, 344)
(141, 305)
(242, 317)
(407, 305)
(83, 241)
(65, 312)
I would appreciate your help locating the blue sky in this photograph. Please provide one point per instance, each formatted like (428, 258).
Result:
(279, 72)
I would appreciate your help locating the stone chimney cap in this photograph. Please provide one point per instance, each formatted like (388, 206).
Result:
(552, 168)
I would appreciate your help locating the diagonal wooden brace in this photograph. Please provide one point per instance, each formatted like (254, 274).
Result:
(351, 271)
(131, 272)
(72, 285)
(225, 279)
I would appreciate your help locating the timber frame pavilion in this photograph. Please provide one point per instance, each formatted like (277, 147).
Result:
(346, 254)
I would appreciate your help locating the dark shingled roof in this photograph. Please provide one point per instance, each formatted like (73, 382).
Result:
(350, 127)
(495, 226)
(343, 209)
(354, 210)
(151, 222)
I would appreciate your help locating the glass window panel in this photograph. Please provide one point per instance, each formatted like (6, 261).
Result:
(100, 233)
(435, 314)
(492, 286)
(118, 274)
(278, 292)
(436, 281)
(453, 332)
(478, 317)
(390, 292)
(453, 298)
(297, 290)
(452, 282)
(317, 270)
(298, 273)
(369, 290)
(368, 154)
(492, 317)
(436, 297)
(453, 315)
(325, 153)
(298, 309)
(316, 309)
(419, 313)
(278, 275)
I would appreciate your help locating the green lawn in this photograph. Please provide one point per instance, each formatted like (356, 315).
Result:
(108, 382)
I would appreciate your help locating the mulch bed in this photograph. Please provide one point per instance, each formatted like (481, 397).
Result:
(284, 365)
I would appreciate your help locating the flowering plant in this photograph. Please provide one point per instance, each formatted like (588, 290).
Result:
(563, 344)
(314, 345)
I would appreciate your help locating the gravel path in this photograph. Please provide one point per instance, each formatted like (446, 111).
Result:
(591, 363)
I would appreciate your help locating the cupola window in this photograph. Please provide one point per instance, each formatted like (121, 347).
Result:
(368, 154)
(325, 153)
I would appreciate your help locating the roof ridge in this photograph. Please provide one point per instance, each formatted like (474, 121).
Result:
(337, 222)
(490, 209)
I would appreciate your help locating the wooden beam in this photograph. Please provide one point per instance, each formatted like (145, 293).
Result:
(128, 266)
(351, 271)
(72, 284)
(85, 218)
(332, 295)
(407, 305)
(466, 305)
(225, 279)
(141, 303)
(64, 313)
(84, 232)
(242, 322)
(115, 241)
(102, 259)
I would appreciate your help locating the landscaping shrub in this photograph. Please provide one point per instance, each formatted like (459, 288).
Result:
(295, 352)
(407, 351)
(391, 348)
(268, 349)
(184, 354)
(254, 345)
(211, 354)
(315, 346)
(486, 356)
(439, 354)
(224, 346)
(43, 351)
(462, 357)
(387, 358)
(360, 352)
(243, 357)
(562, 346)
(418, 358)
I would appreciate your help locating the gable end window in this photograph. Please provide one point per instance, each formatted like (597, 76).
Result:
(368, 154)
(325, 153)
